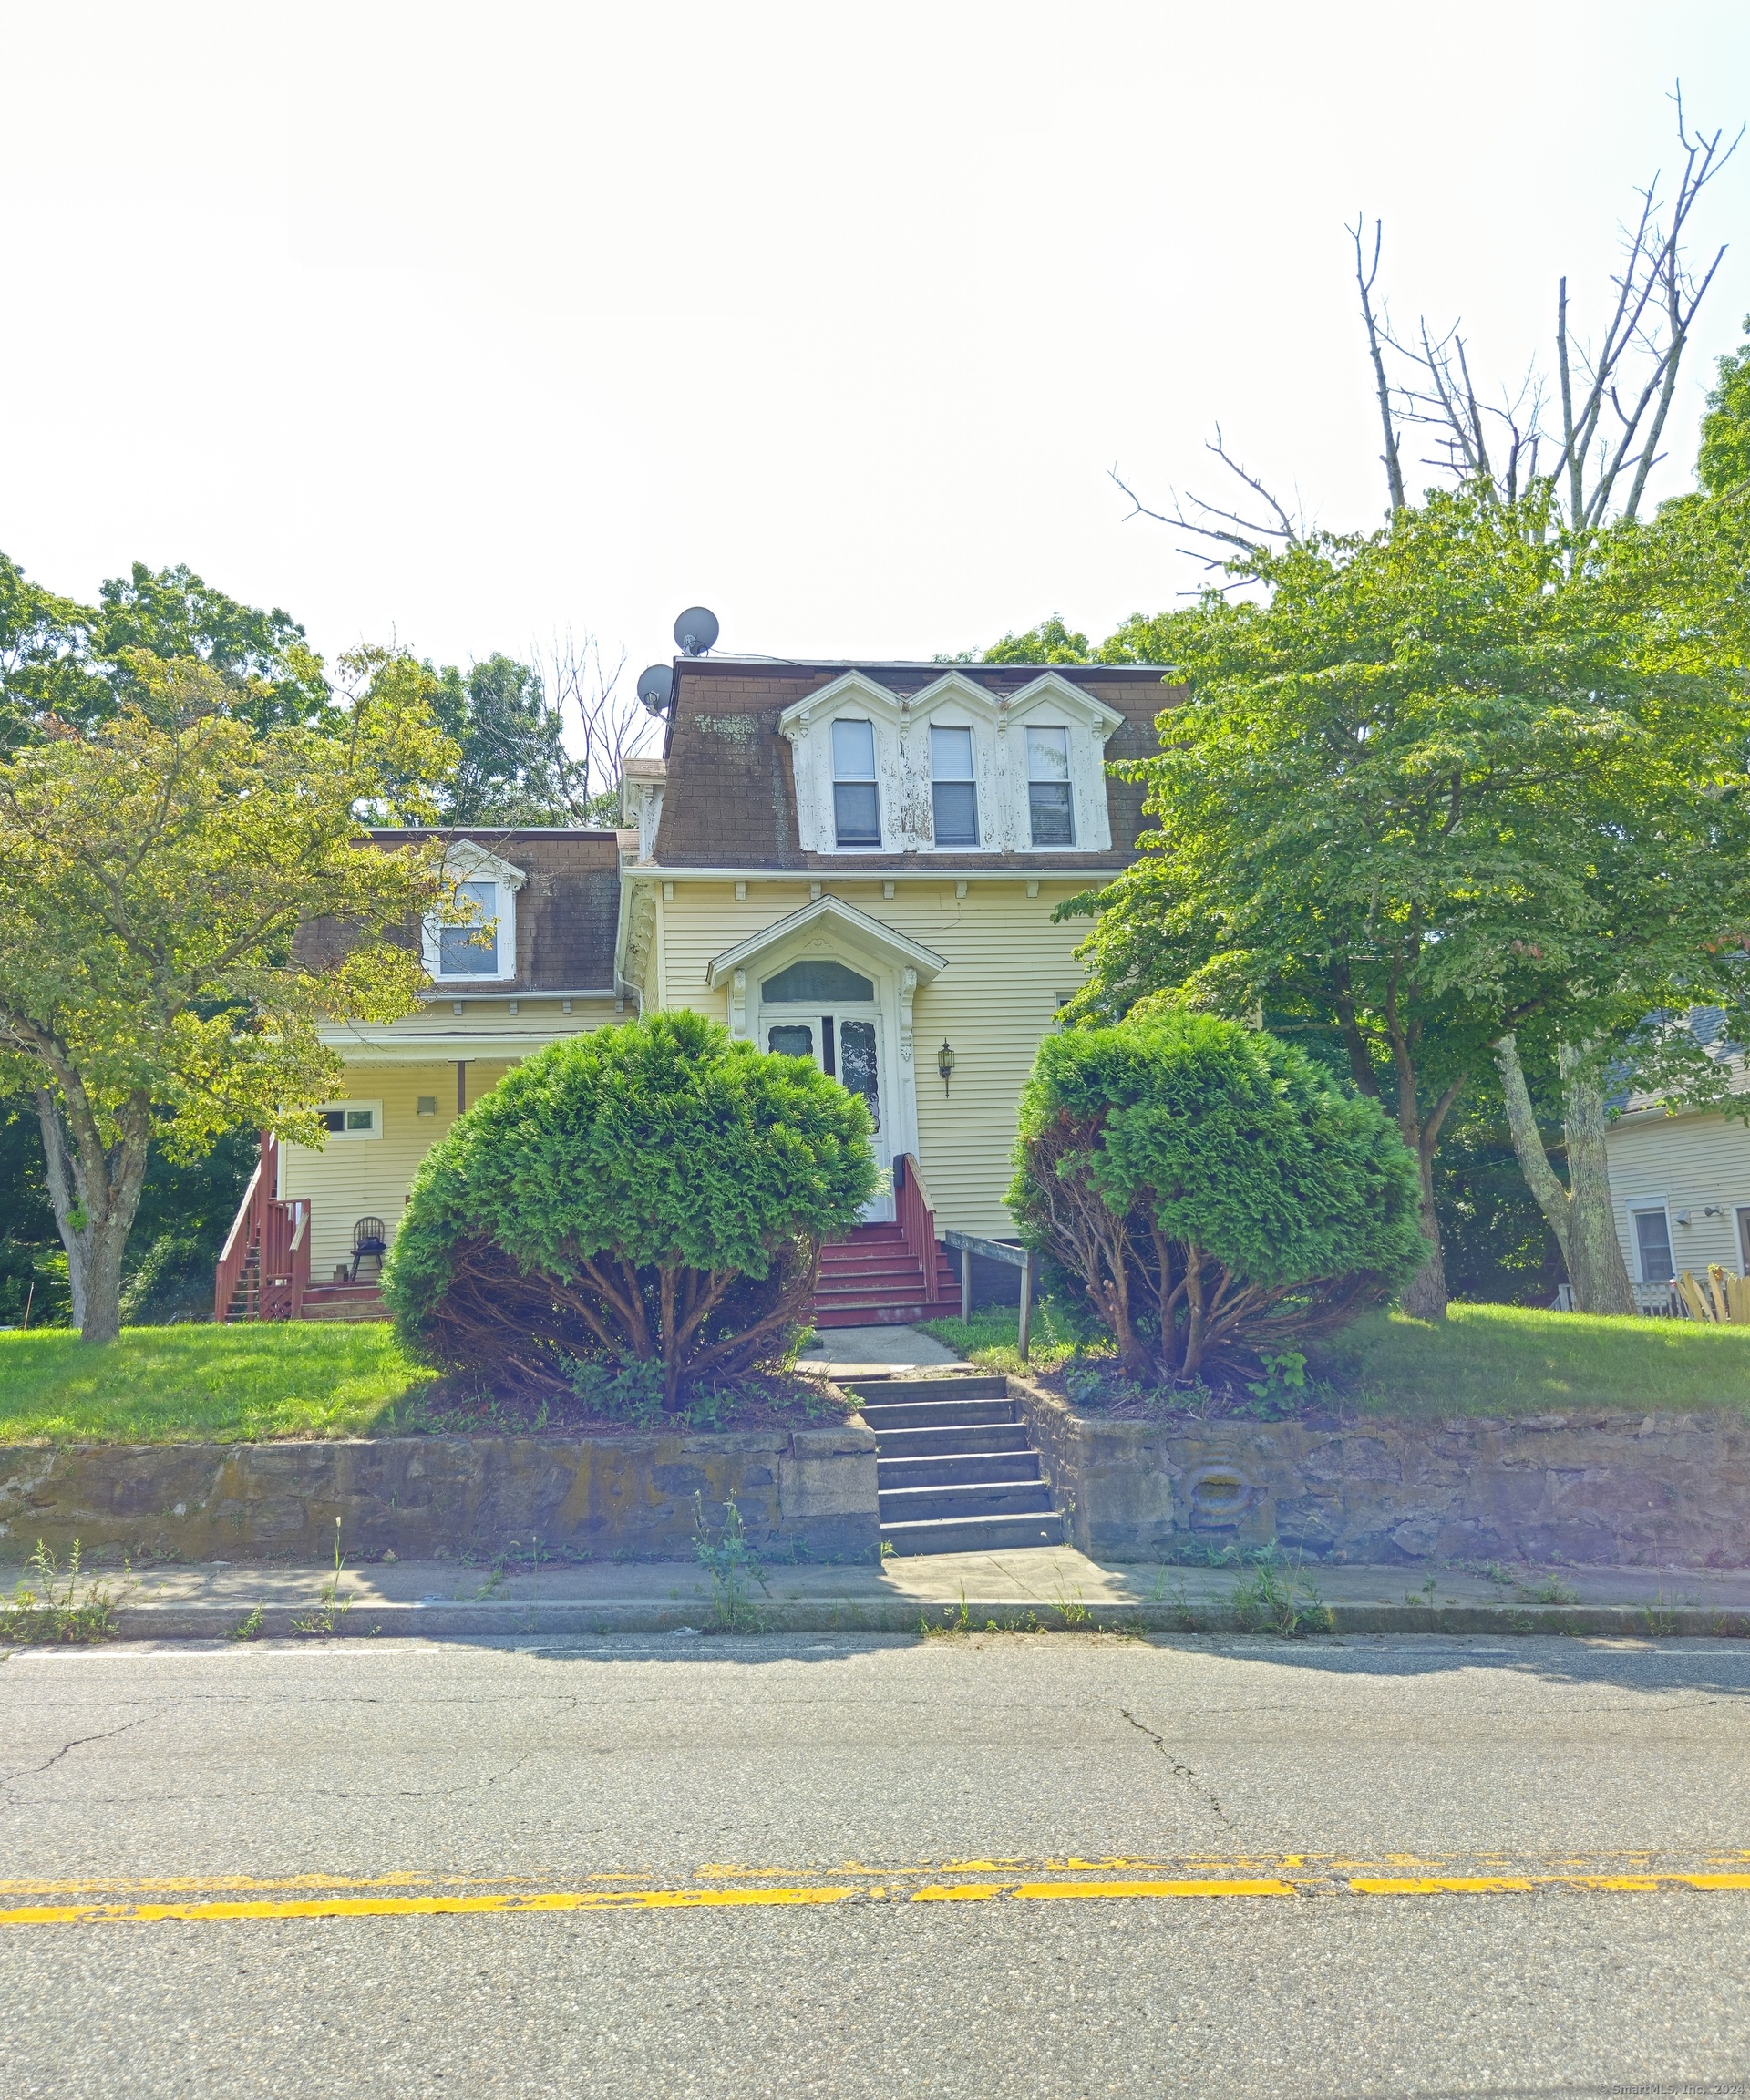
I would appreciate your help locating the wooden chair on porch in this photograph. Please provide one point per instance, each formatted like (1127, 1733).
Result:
(370, 1243)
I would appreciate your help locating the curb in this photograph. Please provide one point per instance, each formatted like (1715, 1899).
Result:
(897, 1615)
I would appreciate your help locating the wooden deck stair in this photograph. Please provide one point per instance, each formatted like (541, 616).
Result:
(889, 1274)
(874, 1279)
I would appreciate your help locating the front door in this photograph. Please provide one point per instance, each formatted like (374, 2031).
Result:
(843, 1040)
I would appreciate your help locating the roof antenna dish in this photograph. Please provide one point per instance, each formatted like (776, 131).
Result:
(656, 688)
(696, 631)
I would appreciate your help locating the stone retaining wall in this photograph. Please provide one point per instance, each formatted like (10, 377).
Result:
(1664, 1489)
(431, 1498)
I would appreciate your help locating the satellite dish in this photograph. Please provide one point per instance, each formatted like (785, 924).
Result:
(656, 688)
(696, 630)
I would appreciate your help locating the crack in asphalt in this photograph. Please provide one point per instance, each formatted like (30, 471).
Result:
(1180, 1771)
(78, 1742)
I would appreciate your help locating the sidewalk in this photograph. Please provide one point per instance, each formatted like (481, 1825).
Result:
(1036, 1588)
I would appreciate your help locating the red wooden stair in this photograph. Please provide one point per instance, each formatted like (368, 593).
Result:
(887, 1275)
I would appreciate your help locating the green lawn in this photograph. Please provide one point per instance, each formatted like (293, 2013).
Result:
(1511, 1360)
(176, 1384)
(1485, 1360)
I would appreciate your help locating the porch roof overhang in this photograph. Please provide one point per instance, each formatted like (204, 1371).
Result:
(856, 928)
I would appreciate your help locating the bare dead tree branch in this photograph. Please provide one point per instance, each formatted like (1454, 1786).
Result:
(1392, 458)
(607, 724)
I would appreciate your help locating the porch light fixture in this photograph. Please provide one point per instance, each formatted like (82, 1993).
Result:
(945, 1063)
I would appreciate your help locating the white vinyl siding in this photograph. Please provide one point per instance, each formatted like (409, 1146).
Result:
(1693, 1166)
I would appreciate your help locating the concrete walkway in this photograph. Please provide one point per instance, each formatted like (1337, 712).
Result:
(1044, 1588)
(841, 1352)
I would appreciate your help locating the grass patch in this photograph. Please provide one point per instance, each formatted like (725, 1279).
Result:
(206, 1385)
(1512, 1360)
(992, 1338)
(1500, 1360)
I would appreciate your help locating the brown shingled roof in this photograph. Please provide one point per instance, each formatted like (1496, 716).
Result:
(567, 910)
(730, 800)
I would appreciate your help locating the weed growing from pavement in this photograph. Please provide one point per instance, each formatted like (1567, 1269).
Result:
(728, 1559)
(1661, 1620)
(330, 1614)
(52, 1606)
(248, 1628)
(1286, 1601)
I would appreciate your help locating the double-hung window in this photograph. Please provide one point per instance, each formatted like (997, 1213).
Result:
(952, 790)
(1653, 1245)
(472, 951)
(856, 800)
(1049, 808)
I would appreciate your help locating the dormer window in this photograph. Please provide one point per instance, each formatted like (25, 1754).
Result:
(472, 951)
(483, 948)
(1048, 801)
(856, 800)
(952, 790)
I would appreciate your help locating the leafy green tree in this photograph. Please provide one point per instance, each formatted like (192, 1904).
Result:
(1049, 642)
(651, 1195)
(514, 767)
(80, 663)
(270, 672)
(1446, 781)
(1724, 465)
(45, 648)
(1213, 1192)
(153, 871)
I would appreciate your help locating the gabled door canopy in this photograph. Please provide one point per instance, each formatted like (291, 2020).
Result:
(855, 929)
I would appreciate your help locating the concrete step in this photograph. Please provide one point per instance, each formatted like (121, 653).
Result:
(986, 1499)
(895, 1314)
(976, 1439)
(956, 1469)
(937, 1415)
(974, 1533)
(879, 1388)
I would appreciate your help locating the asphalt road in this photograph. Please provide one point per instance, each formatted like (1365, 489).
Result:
(845, 1779)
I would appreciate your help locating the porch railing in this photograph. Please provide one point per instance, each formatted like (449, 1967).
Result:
(264, 1265)
(916, 1216)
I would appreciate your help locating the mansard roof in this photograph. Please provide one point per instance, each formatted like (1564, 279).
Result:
(729, 798)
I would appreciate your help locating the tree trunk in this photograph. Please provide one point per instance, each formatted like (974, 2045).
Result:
(1601, 1275)
(94, 1194)
(1580, 1215)
(1425, 1295)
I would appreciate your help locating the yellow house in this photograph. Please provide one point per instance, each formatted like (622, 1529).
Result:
(853, 862)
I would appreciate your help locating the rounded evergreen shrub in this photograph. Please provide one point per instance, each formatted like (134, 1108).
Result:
(645, 1202)
(1213, 1193)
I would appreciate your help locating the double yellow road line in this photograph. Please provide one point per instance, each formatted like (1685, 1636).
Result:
(192, 1899)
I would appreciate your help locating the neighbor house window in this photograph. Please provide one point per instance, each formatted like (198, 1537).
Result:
(1048, 786)
(353, 1118)
(856, 802)
(951, 787)
(472, 951)
(1653, 1245)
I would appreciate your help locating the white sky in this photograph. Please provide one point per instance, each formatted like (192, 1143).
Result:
(464, 323)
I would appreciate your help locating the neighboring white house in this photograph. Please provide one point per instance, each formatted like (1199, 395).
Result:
(1680, 1180)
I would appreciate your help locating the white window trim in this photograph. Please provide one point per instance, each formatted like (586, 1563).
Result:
(1645, 1207)
(904, 777)
(353, 1136)
(466, 862)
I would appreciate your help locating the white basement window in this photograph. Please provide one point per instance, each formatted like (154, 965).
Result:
(1048, 803)
(952, 789)
(856, 800)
